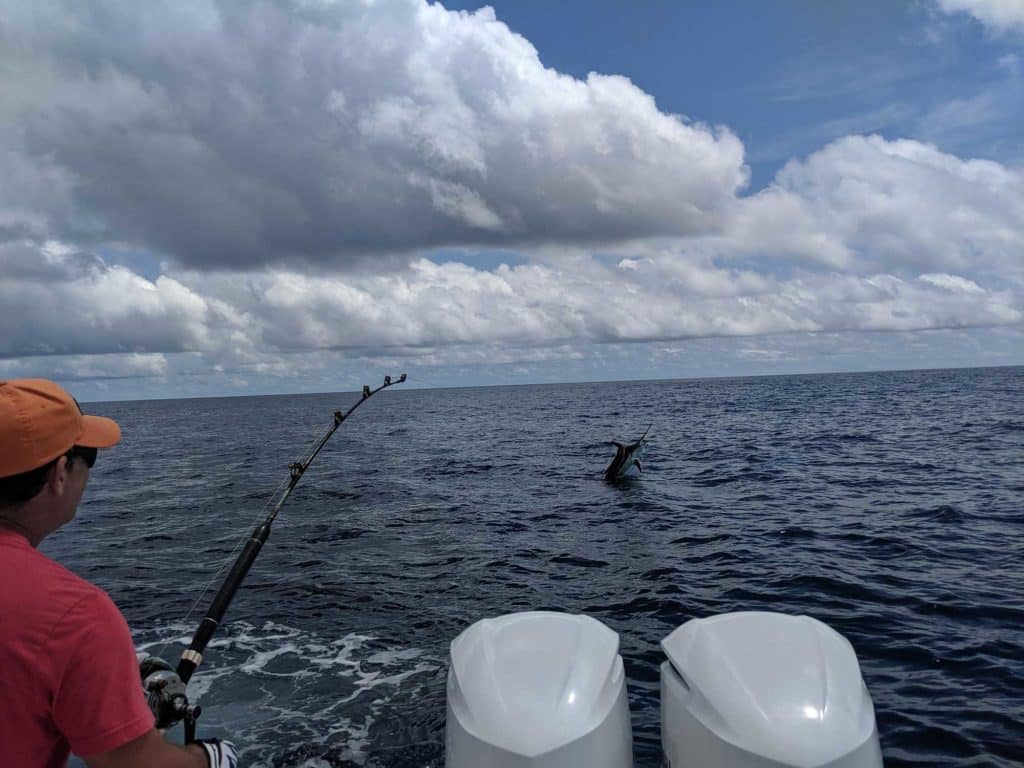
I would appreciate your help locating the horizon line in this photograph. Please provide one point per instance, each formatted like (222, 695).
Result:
(572, 383)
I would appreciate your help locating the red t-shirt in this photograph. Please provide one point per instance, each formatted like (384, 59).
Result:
(69, 679)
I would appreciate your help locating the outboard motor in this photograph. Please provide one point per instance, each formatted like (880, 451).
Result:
(537, 689)
(764, 690)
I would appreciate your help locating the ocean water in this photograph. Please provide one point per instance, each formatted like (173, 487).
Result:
(889, 505)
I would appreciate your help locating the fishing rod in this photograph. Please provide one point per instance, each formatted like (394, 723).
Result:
(166, 689)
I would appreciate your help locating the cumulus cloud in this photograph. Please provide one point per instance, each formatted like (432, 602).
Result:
(59, 301)
(130, 365)
(661, 296)
(254, 320)
(997, 15)
(866, 204)
(242, 134)
(242, 143)
(866, 234)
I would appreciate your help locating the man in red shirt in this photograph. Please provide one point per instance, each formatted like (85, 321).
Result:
(69, 679)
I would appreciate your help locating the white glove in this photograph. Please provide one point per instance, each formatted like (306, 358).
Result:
(219, 753)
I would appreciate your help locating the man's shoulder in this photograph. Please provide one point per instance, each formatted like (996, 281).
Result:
(80, 616)
(78, 595)
(32, 578)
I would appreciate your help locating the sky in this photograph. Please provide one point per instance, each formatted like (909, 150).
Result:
(205, 198)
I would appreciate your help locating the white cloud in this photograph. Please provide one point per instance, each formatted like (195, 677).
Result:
(86, 367)
(395, 126)
(865, 234)
(1010, 63)
(58, 301)
(997, 15)
(952, 283)
(864, 204)
(256, 133)
(256, 320)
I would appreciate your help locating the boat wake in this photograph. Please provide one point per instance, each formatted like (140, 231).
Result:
(341, 693)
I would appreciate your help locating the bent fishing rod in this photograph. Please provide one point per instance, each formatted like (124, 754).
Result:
(166, 689)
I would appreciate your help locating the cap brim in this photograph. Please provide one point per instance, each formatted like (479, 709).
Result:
(98, 432)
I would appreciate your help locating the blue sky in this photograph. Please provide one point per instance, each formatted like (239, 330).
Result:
(791, 76)
(212, 198)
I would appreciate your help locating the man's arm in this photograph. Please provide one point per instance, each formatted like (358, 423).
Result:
(100, 707)
(151, 750)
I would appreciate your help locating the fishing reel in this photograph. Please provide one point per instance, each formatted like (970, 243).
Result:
(166, 696)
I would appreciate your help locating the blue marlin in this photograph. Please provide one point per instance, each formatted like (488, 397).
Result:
(627, 459)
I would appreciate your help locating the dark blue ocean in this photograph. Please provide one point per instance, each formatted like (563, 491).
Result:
(888, 505)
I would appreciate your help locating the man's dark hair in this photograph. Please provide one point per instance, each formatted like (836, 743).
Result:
(20, 488)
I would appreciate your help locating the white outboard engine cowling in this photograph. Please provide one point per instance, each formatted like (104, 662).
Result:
(764, 690)
(537, 690)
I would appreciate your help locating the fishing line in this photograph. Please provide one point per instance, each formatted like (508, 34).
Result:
(433, 383)
(384, 507)
(226, 560)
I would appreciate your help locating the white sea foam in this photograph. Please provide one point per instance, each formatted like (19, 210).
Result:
(276, 684)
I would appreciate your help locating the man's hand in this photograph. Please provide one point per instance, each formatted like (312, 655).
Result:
(165, 692)
(220, 754)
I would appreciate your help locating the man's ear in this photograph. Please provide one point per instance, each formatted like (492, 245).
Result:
(57, 476)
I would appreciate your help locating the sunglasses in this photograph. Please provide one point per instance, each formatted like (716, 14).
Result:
(88, 455)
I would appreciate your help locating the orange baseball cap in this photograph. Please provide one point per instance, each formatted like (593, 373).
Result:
(39, 421)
